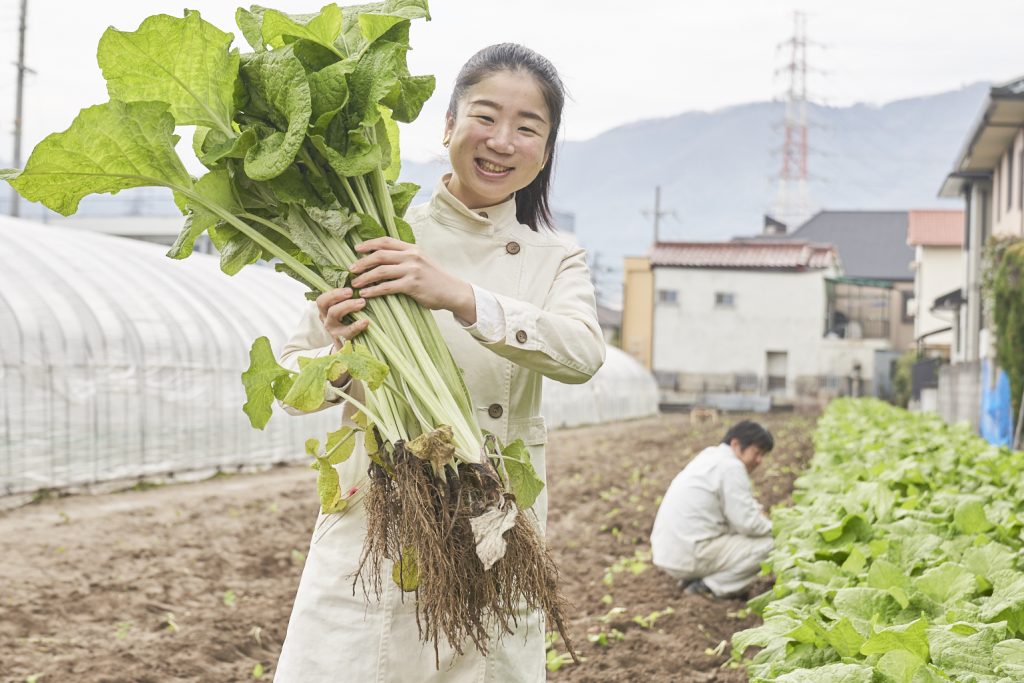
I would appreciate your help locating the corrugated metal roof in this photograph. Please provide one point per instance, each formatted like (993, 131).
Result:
(935, 228)
(743, 254)
(871, 244)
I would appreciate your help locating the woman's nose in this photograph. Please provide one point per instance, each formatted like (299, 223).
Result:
(501, 142)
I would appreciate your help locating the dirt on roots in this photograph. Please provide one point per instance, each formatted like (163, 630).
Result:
(194, 582)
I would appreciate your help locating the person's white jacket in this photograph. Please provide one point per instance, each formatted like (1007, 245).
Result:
(542, 284)
(711, 498)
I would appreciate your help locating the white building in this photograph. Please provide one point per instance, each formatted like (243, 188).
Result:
(753, 317)
(937, 237)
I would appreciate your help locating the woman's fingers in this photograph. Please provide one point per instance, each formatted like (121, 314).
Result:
(380, 273)
(379, 258)
(328, 299)
(339, 310)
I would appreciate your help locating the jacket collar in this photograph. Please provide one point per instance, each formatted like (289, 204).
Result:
(446, 209)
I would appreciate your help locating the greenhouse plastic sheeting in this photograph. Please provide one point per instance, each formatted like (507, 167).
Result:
(622, 389)
(117, 363)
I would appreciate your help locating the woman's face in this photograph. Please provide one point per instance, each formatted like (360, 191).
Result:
(498, 138)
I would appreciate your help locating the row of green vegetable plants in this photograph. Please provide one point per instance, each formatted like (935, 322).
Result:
(900, 560)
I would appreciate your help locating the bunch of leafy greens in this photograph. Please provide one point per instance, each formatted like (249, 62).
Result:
(300, 140)
(900, 561)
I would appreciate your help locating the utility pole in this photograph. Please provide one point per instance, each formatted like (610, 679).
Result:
(657, 214)
(18, 101)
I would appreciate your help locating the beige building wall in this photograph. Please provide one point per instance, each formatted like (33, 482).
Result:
(938, 271)
(1008, 190)
(901, 324)
(638, 309)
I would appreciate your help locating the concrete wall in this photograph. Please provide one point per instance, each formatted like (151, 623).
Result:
(701, 347)
(959, 393)
(939, 270)
(771, 311)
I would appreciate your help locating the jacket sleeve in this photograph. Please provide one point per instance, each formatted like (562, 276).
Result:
(560, 340)
(310, 340)
(742, 511)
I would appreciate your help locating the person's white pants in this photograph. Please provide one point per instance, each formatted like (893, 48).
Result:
(726, 564)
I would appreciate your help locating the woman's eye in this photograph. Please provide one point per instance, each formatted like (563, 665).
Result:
(488, 119)
(531, 131)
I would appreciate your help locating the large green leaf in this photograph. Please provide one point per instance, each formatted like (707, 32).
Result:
(278, 88)
(322, 28)
(259, 379)
(328, 89)
(523, 480)
(216, 188)
(108, 147)
(910, 637)
(185, 62)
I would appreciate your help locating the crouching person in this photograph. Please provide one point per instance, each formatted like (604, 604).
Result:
(710, 532)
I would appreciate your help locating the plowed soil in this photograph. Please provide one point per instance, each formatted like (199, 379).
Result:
(194, 582)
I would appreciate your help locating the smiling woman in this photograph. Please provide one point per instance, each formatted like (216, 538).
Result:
(514, 304)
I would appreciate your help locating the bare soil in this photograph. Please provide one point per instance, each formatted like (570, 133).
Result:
(194, 582)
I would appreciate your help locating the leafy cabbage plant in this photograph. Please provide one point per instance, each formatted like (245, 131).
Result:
(900, 561)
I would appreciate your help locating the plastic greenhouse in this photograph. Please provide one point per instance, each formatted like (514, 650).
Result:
(118, 363)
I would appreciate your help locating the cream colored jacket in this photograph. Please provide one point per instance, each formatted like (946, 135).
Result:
(543, 286)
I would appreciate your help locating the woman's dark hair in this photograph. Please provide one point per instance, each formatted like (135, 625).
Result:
(748, 433)
(532, 202)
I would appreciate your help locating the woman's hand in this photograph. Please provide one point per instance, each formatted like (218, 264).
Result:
(392, 266)
(334, 306)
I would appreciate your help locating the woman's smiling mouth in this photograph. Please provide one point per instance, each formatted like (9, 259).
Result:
(492, 169)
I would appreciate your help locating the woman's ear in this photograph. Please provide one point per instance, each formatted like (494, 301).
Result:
(449, 124)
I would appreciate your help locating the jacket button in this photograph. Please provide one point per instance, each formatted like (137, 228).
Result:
(521, 337)
(483, 214)
(512, 248)
(495, 410)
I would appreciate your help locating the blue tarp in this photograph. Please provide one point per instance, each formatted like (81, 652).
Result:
(996, 410)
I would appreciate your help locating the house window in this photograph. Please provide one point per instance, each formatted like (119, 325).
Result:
(908, 308)
(668, 296)
(725, 300)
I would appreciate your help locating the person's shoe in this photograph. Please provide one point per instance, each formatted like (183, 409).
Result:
(698, 587)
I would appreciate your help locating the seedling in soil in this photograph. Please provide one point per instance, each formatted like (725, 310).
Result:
(637, 564)
(257, 671)
(298, 557)
(607, 599)
(648, 621)
(169, 623)
(555, 659)
(611, 614)
(610, 494)
(605, 638)
(257, 634)
(230, 598)
(717, 650)
(123, 627)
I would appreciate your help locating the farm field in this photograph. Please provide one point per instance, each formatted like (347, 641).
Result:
(194, 582)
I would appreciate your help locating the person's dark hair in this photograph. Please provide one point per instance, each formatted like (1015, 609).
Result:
(532, 202)
(749, 432)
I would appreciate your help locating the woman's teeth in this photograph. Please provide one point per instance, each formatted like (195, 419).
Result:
(492, 168)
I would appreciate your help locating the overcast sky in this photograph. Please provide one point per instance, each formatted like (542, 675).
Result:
(621, 61)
